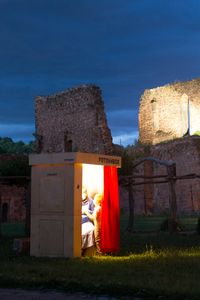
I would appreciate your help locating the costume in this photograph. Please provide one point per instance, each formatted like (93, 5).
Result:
(97, 227)
(88, 205)
(87, 225)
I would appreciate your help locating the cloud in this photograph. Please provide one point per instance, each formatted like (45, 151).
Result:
(123, 124)
(125, 139)
(17, 131)
(48, 46)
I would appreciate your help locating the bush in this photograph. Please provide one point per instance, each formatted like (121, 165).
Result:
(170, 225)
(198, 226)
(15, 166)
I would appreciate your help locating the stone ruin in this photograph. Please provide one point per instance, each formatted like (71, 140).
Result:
(12, 194)
(73, 120)
(169, 112)
(169, 117)
(154, 198)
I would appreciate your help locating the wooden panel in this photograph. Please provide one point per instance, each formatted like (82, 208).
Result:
(51, 194)
(51, 238)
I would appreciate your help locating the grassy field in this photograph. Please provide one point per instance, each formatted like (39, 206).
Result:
(13, 229)
(153, 223)
(141, 224)
(150, 264)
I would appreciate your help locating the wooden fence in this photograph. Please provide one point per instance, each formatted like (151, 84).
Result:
(170, 177)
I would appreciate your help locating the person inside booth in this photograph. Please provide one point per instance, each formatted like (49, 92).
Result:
(87, 205)
(95, 217)
(104, 182)
(87, 225)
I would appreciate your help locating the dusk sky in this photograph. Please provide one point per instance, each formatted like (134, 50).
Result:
(122, 46)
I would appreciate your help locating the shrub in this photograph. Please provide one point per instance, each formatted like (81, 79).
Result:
(198, 226)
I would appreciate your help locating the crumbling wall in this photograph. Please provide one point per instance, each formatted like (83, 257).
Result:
(186, 153)
(149, 198)
(13, 187)
(167, 112)
(73, 120)
(12, 198)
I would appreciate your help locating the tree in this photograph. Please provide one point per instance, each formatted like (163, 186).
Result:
(7, 145)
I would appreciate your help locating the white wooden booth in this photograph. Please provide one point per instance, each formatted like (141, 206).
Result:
(56, 189)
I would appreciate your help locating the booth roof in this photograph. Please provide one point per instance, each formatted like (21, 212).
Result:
(74, 157)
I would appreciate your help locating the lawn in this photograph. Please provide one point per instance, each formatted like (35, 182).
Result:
(155, 265)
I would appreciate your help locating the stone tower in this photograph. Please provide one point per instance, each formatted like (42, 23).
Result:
(73, 120)
(169, 112)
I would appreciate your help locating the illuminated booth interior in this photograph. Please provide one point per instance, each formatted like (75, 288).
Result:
(56, 202)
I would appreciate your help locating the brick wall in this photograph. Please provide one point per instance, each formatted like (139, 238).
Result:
(73, 120)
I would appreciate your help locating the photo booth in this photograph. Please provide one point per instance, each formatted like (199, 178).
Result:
(56, 201)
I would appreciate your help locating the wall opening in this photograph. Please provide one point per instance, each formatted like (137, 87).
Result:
(67, 142)
(5, 210)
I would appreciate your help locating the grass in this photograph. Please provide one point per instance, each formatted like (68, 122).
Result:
(155, 265)
(13, 229)
(152, 223)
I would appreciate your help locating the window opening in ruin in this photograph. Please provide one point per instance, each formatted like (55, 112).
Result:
(40, 142)
(68, 146)
(188, 106)
(185, 115)
(67, 142)
(5, 209)
(153, 104)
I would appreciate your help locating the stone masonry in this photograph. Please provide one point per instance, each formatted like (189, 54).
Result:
(167, 112)
(73, 120)
(154, 198)
(12, 203)
(186, 153)
(12, 192)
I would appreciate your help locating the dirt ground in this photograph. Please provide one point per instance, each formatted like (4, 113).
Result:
(18, 294)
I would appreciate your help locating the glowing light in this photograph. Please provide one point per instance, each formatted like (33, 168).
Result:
(92, 178)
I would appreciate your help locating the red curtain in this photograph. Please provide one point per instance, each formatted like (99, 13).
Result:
(110, 211)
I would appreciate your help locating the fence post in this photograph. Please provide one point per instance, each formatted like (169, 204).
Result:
(131, 205)
(171, 170)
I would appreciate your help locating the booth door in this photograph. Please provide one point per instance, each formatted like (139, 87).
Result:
(48, 210)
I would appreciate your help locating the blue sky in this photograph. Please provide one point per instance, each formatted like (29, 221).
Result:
(123, 46)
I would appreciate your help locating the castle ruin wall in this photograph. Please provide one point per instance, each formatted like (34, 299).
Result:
(74, 116)
(154, 198)
(168, 112)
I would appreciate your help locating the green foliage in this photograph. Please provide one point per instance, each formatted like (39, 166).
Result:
(130, 155)
(14, 159)
(198, 226)
(7, 145)
(13, 229)
(127, 163)
(16, 166)
(170, 225)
